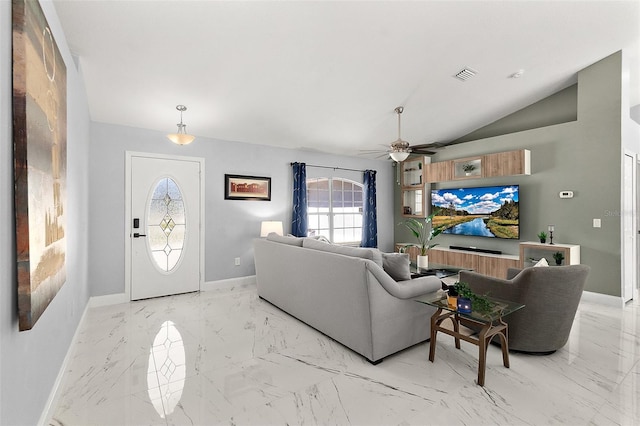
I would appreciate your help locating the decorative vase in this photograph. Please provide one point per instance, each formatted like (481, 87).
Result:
(423, 262)
(543, 240)
(559, 261)
(464, 305)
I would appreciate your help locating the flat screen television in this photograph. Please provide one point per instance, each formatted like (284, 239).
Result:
(488, 211)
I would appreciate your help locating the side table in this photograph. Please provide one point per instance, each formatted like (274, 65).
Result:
(491, 324)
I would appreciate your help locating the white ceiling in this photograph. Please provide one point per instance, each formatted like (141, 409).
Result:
(327, 75)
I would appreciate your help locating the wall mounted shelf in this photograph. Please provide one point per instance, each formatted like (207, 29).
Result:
(508, 163)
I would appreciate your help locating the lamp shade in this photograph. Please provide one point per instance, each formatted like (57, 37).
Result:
(399, 156)
(269, 226)
(181, 138)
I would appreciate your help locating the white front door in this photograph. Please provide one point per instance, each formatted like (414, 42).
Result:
(165, 226)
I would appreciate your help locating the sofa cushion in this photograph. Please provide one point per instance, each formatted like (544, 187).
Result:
(294, 241)
(397, 265)
(365, 253)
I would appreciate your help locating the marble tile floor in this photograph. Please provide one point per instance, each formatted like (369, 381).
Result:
(227, 357)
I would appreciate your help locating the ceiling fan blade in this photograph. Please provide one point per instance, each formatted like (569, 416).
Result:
(378, 153)
(427, 148)
(423, 151)
(433, 145)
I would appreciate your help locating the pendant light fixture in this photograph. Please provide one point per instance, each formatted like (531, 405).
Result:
(181, 137)
(399, 149)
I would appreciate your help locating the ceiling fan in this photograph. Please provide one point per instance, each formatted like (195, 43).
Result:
(399, 150)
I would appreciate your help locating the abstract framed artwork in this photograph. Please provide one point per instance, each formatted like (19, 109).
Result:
(40, 161)
(237, 187)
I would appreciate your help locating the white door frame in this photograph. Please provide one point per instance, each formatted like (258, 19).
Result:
(629, 260)
(128, 226)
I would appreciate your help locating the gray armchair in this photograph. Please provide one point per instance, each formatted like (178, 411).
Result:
(551, 295)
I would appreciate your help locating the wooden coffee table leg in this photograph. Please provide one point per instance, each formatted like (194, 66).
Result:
(482, 353)
(504, 343)
(456, 328)
(434, 331)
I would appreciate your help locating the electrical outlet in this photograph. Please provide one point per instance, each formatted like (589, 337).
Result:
(237, 261)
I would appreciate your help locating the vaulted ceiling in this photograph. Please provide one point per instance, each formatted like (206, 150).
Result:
(327, 75)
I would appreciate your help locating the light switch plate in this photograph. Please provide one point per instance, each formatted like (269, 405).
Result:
(597, 223)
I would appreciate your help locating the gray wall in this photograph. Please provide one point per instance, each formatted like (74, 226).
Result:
(30, 360)
(230, 225)
(583, 156)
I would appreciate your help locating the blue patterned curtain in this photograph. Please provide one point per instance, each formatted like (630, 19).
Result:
(299, 214)
(369, 211)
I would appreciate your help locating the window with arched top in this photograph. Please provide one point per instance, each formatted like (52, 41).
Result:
(334, 209)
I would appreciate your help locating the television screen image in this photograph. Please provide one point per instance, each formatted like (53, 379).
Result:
(489, 211)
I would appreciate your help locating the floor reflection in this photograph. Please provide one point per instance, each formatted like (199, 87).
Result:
(167, 366)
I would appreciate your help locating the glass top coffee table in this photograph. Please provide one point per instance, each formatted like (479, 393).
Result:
(491, 323)
(439, 270)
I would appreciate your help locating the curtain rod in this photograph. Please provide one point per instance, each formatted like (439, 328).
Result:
(334, 168)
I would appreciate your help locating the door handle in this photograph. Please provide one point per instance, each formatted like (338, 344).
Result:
(138, 235)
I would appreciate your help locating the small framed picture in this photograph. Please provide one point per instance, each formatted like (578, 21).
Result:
(237, 187)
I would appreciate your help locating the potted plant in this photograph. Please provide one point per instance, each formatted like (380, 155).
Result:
(424, 231)
(543, 237)
(559, 257)
(468, 300)
(468, 168)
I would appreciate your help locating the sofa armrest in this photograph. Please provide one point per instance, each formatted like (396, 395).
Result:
(512, 272)
(404, 289)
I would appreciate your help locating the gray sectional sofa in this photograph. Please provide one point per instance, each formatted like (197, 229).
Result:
(345, 293)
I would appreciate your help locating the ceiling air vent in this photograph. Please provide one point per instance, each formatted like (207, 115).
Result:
(465, 74)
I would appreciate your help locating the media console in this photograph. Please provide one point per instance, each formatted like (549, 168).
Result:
(492, 264)
(496, 264)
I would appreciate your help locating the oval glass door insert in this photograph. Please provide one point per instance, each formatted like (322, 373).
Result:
(166, 224)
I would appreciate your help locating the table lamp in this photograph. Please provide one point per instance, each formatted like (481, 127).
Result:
(269, 226)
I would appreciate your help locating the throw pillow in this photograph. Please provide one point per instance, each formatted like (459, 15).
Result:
(542, 262)
(322, 238)
(397, 265)
(365, 253)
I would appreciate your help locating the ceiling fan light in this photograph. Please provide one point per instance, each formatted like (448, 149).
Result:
(399, 156)
(400, 149)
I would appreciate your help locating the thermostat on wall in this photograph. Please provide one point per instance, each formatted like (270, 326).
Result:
(566, 194)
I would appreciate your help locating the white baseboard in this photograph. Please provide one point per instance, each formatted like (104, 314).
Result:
(602, 299)
(48, 411)
(230, 283)
(109, 299)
